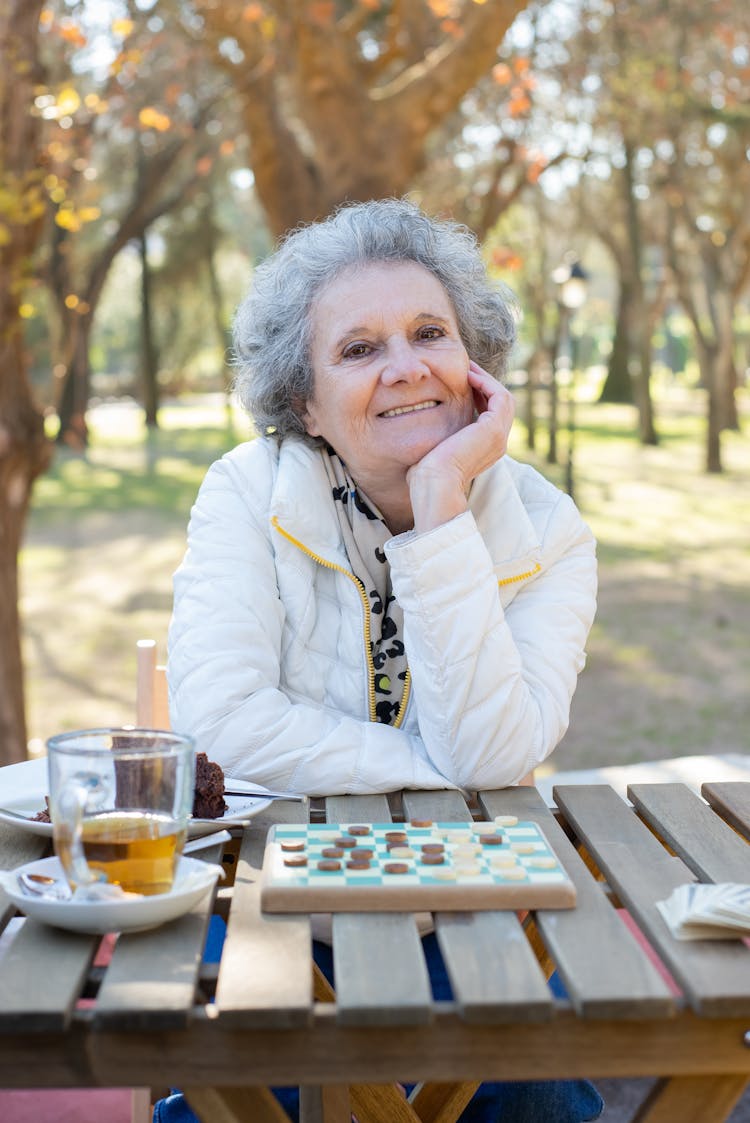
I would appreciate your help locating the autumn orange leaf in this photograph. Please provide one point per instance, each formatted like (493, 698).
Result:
(535, 170)
(72, 33)
(151, 118)
(502, 74)
(503, 257)
(518, 106)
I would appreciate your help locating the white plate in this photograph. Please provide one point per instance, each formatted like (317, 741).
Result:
(23, 788)
(131, 914)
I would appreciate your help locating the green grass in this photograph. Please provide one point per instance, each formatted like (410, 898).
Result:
(668, 663)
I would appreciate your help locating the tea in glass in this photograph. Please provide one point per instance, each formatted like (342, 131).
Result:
(120, 801)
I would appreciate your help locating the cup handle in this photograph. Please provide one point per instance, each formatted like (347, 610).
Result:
(71, 803)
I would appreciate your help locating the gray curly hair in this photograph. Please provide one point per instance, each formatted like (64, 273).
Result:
(273, 325)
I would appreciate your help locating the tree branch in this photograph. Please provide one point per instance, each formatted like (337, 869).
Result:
(428, 90)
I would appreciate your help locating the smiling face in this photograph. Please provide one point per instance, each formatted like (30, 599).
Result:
(390, 371)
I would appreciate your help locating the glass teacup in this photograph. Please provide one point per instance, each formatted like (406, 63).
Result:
(120, 801)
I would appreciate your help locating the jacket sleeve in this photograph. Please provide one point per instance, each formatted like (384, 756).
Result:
(224, 667)
(493, 686)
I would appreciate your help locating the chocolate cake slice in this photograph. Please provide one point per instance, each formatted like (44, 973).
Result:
(209, 789)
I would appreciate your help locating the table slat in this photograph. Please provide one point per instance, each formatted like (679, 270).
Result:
(707, 846)
(494, 974)
(42, 975)
(357, 809)
(265, 974)
(715, 976)
(152, 978)
(151, 981)
(443, 806)
(492, 968)
(380, 972)
(603, 968)
(731, 800)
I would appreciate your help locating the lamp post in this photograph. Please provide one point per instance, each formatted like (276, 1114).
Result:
(572, 287)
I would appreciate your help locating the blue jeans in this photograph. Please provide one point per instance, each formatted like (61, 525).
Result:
(523, 1101)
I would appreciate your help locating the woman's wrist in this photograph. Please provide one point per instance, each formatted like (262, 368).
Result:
(436, 498)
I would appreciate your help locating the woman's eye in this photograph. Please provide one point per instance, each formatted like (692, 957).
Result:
(431, 332)
(356, 350)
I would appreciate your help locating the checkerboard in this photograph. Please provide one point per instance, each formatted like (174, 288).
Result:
(412, 867)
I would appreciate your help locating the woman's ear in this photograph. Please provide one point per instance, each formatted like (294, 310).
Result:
(306, 413)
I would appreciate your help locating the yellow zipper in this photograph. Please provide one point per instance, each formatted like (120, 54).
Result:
(519, 576)
(367, 631)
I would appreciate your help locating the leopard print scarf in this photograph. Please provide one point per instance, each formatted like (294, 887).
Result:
(365, 533)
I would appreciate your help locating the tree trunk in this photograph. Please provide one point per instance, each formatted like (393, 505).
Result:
(221, 326)
(552, 420)
(74, 395)
(725, 373)
(707, 359)
(149, 364)
(618, 385)
(24, 454)
(532, 385)
(729, 412)
(24, 449)
(643, 387)
(324, 124)
(640, 326)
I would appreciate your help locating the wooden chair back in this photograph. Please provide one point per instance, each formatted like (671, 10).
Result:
(151, 702)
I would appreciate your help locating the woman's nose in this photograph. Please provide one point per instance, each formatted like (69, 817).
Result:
(403, 363)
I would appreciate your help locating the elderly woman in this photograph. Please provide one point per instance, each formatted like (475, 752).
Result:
(375, 596)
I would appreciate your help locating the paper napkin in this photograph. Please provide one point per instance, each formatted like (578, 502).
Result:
(708, 912)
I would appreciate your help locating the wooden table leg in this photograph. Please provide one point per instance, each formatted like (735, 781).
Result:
(386, 1103)
(381, 1103)
(236, 1105)
(692, 1099)
(327, 1104)
(441, 1103)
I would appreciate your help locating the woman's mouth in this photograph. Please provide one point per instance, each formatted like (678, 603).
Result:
(409, 409)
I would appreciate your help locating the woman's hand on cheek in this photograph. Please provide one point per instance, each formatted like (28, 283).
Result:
(439, 482)
(496, 409)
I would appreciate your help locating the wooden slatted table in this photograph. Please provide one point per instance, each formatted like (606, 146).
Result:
(643, 1005)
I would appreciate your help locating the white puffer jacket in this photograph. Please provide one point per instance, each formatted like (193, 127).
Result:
(269, 667)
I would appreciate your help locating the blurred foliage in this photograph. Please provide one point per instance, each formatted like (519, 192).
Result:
(618, 132)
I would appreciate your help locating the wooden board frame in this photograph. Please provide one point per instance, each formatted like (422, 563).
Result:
(420, 887)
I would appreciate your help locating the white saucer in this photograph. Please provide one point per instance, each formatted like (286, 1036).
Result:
(131, 914)
(23, 788)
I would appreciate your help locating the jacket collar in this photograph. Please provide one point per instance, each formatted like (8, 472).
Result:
(302, 504)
